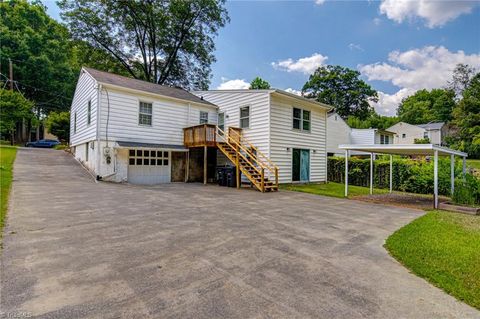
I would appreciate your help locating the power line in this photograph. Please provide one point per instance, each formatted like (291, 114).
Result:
(38, 89)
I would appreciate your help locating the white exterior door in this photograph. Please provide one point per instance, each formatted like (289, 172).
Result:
(149, 167)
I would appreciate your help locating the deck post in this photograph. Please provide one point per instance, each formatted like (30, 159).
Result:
(435, 180)
(391, 173)
(205, 153)
(346, 172)
(371, 173)
(187, 169)
(452, 173)
(237, 165)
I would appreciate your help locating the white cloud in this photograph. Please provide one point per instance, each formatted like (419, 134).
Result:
(377, 21)
(435, 12)
(305, 65)
(353, 46)
(319, 2)
(293, 91)
(425, 68)
(235, 84)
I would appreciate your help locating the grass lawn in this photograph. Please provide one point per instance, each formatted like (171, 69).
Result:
(7, 156)
(332, 189)
(443, 248)
(473, 163)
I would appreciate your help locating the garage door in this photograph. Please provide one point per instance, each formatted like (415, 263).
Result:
(148, 167)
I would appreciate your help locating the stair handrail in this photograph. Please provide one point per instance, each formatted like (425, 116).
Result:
(225, 137)
(241, 137)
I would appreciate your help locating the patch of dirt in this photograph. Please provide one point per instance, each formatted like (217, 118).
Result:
(416, 201)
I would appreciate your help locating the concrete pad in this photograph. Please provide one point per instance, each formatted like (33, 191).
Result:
(74, 248)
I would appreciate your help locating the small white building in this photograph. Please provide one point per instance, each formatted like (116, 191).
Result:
(127, 130)
(339, 132)
(407, 133)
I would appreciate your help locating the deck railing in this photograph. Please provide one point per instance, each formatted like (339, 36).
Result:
(200, 135)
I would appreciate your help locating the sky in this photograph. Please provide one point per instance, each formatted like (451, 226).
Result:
(398, 46)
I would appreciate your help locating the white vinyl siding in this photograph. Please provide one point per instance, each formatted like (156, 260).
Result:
(338, 132)
(363, 136)
(83, 130)
(230, 103)
(283, 139)
(168, 118)
(406, 133)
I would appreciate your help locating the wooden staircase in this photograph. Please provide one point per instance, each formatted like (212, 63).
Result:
(253, 164)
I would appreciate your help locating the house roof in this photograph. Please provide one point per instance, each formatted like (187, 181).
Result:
(163, 90)
(135, 145)
(432, 126)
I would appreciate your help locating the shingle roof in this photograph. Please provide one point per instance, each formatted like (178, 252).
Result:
(432, 126)
(122, 81)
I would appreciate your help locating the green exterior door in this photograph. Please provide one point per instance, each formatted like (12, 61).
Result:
(300, 165)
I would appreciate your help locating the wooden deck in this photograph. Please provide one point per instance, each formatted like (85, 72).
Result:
(200, 135)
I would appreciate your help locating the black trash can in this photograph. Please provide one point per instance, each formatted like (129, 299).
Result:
(230, 173)
(221, 176)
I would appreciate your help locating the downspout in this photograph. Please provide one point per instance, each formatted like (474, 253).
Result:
(99, 153)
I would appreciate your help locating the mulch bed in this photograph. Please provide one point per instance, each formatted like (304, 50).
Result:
(423, 202)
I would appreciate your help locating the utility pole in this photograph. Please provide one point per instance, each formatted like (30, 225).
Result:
(10, 67)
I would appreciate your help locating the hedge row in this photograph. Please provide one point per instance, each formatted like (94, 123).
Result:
(413, 176)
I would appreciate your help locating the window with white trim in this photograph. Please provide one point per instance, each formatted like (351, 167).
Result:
(221, 121)
(145, 114)
(89, 112)
(384, 139)
(147, 158)
(301, 119)
(245, 117)
(203, 117)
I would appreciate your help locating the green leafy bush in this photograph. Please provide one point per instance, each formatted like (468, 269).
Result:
(467, 191)
(414, 176)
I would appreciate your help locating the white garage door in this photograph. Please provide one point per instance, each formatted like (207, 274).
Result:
(148, 167)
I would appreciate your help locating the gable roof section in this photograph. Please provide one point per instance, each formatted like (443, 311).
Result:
(432, 126)
(144, 86)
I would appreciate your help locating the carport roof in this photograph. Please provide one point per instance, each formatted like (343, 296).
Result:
(403, 149)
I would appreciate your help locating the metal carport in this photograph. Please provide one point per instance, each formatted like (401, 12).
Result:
(406, 149)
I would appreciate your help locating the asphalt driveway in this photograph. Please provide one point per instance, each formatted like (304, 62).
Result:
(74, 248)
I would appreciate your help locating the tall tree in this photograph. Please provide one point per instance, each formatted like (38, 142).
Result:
(467, 118)
(161, 41)
(427, 106)
(343, 89)
(58, 123)
(14, 107)
(462, 74)
(373, 121)
(40, 50)
(259, 84)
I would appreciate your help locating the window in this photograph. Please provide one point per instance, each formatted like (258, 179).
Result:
(301, 119)
(245, 117)
(404, 135)
(89, 112)
(145, 114)
(147, 158)
(221, 121)
(384, 139)
(425, 134)
(75, 122)
(203, 117)
(86, 152)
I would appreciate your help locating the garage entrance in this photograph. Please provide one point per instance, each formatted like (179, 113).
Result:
(148, 167)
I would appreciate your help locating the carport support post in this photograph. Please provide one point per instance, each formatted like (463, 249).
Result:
(452, 173)
(371, 173)
(346, 172)
(464, 167)
(435, 180)
(391, 173)
(205, 149)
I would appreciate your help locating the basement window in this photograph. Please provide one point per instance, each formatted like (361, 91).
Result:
(145, 114)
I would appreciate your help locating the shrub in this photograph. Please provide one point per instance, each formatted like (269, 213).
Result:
(467, 191)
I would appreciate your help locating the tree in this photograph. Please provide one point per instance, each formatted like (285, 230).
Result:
(341, 88)
(373, 121)
(259, 84)
(14, 108)
(165, 42)
(462, 74)
(427, 106)
(58, 123)
(467, 119)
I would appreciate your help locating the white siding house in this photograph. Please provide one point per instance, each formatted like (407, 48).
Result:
(338, 133)
(139, 127)
(407, 133)
(289, 129)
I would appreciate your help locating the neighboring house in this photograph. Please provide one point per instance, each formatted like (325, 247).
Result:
(124, 129)
(407, 133)
(130, 130)
(289, 129)
(338, 132)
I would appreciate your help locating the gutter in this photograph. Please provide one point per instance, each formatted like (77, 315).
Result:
(99, 153)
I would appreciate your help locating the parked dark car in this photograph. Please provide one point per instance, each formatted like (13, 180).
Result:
(43, 143)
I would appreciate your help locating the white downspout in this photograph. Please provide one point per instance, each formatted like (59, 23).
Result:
(99, 153)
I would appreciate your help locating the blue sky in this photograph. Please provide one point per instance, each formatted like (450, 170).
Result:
(398, 46)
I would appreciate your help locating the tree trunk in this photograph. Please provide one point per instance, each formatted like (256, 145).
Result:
(12, 137)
